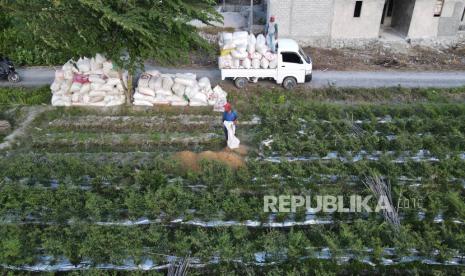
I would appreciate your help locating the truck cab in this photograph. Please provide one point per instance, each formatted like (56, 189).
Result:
(294, 66)
(293, 63)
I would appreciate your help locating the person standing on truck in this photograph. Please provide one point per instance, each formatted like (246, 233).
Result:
(229, 116)
(271, 31)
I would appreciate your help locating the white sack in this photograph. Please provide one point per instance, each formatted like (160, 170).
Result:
(163, 92)
(85, 88)
(113, 81)
(97, 94)
(233, 142)
(59, 75)
(56, 85)
(144, 80)
(83, 65)
(178, 89)
(262, 49)
(100, 59)
(204, 82)
(143, 103)
(264, 63)
(185, 81)
(142, 97)
(270, 56)
(146, 91)
(274, 64)
(261, 40)
(159, 99)
(247, 63)
(156, 83)
(96, 79)
(239, 54)
(167, 83)
(225, 62)
(76, 87)
(255, 63)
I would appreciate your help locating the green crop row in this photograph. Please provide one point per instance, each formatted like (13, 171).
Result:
(100, 244)
(117, 191)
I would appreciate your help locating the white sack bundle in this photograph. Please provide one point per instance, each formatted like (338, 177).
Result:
(163, 92)
(167, 82)
(185, 80)
(274, 64)
(236, 63)
(156, 83)
(264, 63)
(225, 39)
(204, 83)
(177, 101)
(146, 91)
(142, 103)
(160, 99)
(144, 80)
(270, 56)
(225, 62)
(178, 89)
(247, 63)
(83, 65)
(96, 79)
(85, 88)
(240, 38)
(75, 87)
(141, 97)
(256, 63)
(239, 54)
(262, 49)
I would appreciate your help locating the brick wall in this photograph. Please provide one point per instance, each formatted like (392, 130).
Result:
(307, 21)
(311, 18)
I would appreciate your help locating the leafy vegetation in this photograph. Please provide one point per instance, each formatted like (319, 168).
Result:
(24, 96)
(70, 201)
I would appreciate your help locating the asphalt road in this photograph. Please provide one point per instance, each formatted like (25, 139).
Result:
(39, 76)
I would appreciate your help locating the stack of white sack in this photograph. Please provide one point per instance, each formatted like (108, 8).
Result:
(88, 82)
(240, 50)
(177, 90)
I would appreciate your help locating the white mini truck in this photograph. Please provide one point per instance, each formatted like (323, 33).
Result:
(294, 67)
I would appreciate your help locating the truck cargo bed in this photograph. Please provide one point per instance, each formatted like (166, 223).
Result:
(248, 73)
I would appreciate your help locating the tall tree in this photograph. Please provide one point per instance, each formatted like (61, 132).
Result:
(126, 31)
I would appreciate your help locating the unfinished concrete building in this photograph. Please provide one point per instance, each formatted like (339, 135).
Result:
(340, 23)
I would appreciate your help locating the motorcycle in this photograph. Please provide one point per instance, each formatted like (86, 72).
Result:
(8, 71)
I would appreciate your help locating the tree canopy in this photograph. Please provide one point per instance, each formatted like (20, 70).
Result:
(127, 31)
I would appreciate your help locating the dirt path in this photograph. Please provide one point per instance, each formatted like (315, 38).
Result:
(20, 131)
(389, 58)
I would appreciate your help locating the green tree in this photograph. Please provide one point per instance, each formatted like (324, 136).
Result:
(126, 31)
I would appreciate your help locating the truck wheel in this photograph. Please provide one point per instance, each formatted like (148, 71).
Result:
(241, 82)
(289, 83)
(13, 77)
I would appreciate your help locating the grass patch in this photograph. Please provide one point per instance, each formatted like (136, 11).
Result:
(213, 30)
(25, 96)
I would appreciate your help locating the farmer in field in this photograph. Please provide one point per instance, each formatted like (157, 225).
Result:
(271, 31)
(228, 116)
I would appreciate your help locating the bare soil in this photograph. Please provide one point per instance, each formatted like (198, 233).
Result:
(372, 58)
(190, 161)
(378, 58)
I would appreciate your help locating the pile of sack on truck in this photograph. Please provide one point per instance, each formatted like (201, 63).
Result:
(241, 50)
(155, 88)
(89, 82)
